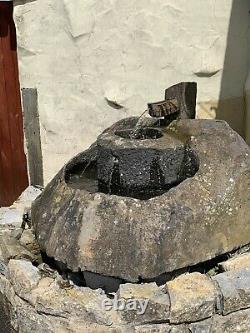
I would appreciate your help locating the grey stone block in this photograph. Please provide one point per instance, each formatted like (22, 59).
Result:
(239, 262)
(202, 326)
(235, 290)
(237, 322)
(155, 301)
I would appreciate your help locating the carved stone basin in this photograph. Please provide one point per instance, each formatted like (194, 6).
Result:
(136, 207)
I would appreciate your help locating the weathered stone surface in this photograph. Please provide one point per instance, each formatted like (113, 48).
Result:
(238, 262)
(142, 162)
(237, 322)
(156, 301)
(82, 303)
(202, 326)
(10, 248)
(10, 217)
(206, 215)
(28, 240)
(192, 298)
(13, 216)
(161, 328)
(235, 289)
(31, 303)
(5, 315)
(24, 277)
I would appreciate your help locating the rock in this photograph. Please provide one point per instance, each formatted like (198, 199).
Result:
(5, 315)
(192, 298)
(161, 328)
(10, 248)
(235, 290)
(152, 302)
(28, 320)
(28, 241)
(3, 268)
(237, 322)
(16, 233)
(27, 238)
(204, 326)
(24, 277)
(143, 167)
(238, 262)
(28, 196)
(123, 237)
(13, 216)
(82, 303)
(46, 271)
(30, 303)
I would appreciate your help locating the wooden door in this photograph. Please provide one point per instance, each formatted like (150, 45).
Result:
(13, 167)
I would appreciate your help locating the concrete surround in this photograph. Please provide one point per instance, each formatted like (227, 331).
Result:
(94, 62)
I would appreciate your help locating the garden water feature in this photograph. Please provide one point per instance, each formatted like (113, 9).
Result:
(152, 196)
(154, 216)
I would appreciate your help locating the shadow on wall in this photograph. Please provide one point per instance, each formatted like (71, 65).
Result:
(231, 105)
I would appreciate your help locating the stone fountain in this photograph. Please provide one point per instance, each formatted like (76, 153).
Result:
(147, 200)
(155, 212)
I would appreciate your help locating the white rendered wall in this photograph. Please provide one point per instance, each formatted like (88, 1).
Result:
(80, 54)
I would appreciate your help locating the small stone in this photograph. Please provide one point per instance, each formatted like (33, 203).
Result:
(16, 233)
(235, 290)
(46, 271)
(45, 282)
(28, 241)
(10, 248)
(11, 217)
(24, 277)
(3, 268)
(237, 322)
(202, 326)
(192, 298)
(82, 303)
(235, 263)
(152, 302)
(27, 237)
(28, 196)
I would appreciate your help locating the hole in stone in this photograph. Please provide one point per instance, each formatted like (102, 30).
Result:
(83, 176)
(140, 133)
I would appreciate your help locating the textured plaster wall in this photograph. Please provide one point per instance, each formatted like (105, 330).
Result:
(85, 55)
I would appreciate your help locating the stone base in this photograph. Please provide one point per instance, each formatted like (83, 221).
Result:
(35, 298)
(38, 301)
